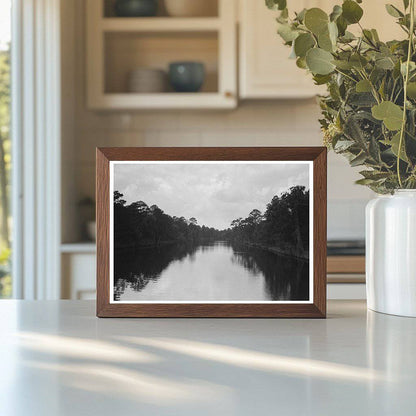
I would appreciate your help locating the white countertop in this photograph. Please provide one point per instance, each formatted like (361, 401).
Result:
(57, 359)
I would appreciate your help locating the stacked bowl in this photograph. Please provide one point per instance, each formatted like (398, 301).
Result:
(147, 80)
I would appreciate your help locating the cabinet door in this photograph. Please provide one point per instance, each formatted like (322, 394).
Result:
(376, 17)
(265, 68)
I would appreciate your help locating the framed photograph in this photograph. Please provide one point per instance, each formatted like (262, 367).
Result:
(211, 232)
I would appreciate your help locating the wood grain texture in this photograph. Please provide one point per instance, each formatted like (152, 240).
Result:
(345, 278)
(317, 309)
(346, 264)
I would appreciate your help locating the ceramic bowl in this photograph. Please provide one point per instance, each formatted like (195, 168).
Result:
(147, 80)
(186, 76)
(136, 8)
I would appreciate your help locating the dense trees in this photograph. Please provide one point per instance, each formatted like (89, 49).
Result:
(137, 225)
(284, 226)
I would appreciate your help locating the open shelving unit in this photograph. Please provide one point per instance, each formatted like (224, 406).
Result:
(118, 45)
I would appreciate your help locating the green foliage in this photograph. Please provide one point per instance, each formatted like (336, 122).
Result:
(369, 113)
(276, 4)
(283, 226)
(351, 12)
(390, 113)
(319, 61)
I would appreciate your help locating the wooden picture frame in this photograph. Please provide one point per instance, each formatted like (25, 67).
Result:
(316, 305)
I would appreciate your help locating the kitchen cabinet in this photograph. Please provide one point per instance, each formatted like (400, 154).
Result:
(265, 70)
(118, 45)
(78, 271)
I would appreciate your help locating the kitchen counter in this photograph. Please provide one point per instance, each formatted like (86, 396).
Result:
(57, 358)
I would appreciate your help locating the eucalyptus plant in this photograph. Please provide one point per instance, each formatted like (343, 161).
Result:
(369, 112)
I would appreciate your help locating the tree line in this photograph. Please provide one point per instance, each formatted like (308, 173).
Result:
(283, 226)
(139, 225)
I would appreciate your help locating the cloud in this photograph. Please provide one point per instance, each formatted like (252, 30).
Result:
(215, 194)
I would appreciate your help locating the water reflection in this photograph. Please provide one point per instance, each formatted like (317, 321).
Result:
(217, 271)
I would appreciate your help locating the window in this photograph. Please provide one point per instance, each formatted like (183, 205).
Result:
(5, 145)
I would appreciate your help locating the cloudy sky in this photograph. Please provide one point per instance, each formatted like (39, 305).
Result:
(214, 194)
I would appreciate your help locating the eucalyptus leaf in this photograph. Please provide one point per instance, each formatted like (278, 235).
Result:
(347, 37)
(286, 32)
(282, 19)
(300, 17)
(391, 114)
(374, 150)
(385, 63)
(412, 67)
(368, 35)
(361, 99)
(406, 4)
(364, 181)
(336, 12)
(276, 4)
(316, 20)
(343, 145)
(358, 160)
(363, 86)
(393, 11)
(303, 43)
(325, 42)
(374, 175)
(343, 65)
(396, 70)
(377, 74)
(319, 61)
(394, 144)
(375, 35)
(333, 32)
(351, 11)
(321, 79)
(342, 25)
(301, 63)
(411, 90)
(358, 61)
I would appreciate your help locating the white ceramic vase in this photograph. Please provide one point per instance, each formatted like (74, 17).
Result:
(391, 253)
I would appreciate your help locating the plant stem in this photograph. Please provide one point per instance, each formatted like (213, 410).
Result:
(346, 75)
(373, 90)
(406, 80)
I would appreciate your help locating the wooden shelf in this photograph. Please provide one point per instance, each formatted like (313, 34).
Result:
(128, 101)
(116, 46)
(346, 264)
(159, 24)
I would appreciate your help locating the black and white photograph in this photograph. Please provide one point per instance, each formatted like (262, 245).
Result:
(234, 232)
